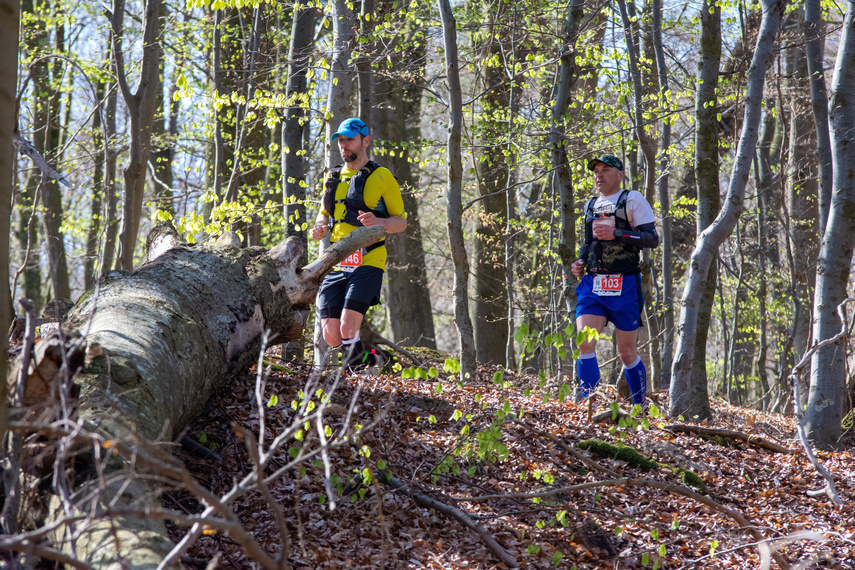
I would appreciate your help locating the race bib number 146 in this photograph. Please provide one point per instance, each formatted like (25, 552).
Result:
(608, 285)
(352, 261)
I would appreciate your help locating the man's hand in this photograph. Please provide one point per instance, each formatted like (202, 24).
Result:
(578, 268)
(604, 230)
(320, 230)
(368, 219)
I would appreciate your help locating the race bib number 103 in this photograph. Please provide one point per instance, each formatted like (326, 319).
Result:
(608, 285)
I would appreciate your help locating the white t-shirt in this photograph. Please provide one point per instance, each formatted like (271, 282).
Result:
(638, 211)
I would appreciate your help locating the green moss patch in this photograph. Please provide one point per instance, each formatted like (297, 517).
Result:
(635, 458)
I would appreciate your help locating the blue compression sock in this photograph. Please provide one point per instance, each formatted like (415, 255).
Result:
(636, 378)
(589, 373)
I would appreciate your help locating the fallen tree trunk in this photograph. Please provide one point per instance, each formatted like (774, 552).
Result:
(158, 342)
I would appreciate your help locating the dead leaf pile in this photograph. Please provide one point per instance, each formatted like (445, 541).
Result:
(504, 450)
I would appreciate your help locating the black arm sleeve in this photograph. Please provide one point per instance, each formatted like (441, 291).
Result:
(644, 236)
(583, 251)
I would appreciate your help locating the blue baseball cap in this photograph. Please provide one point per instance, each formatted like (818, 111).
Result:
(608, 159)
(350, 128)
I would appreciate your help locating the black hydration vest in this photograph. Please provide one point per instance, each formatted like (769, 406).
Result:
(354, 201)
(612, 256)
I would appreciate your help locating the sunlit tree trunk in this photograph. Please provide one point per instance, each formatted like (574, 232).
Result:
(454, 189)
(142, 104)
(694, 391)
(27, 232)
(828, 368)
(294, 161)
(339, 105)
(53, 210)
(689, 397)
(165, 132)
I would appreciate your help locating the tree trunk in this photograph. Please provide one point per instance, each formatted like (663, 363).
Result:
(341, 75)
(9, 16)
(397, 121)
(814, 31)
(111, 195)
(647, 147)
(666, 305)
(562, 179)
(53, 211)
(142, 104)
(159, 342)
(828, 367)
(454, 190)
(687, 398)
(293, 159)
(27, 233)
(293, 150)
(707, 175)
(491, 295)
(802, 193)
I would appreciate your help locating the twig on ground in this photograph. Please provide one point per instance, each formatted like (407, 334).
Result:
(570, 450)
(730, 434)
(426, 502)
(627, 482)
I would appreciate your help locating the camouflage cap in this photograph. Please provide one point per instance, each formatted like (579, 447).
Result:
(609, 159)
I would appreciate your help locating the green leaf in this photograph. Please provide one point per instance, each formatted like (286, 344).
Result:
(274, 399)
(556, 558)
(662, 550)
(438, 388)
(203, 437)
(498, 376)
(645, 559)
(433, 372)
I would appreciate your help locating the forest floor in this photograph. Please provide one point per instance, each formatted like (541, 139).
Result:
(487, 448)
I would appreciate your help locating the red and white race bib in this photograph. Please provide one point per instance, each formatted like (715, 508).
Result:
(608, 285)
(352, 261)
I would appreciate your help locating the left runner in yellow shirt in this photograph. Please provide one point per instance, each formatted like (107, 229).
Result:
(354, 286)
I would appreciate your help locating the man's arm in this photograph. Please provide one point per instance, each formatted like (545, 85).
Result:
(644, 235)
(393, 224)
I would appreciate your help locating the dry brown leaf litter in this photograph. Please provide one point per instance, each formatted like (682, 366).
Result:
(417, 433)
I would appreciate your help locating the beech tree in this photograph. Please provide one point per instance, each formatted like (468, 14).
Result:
(688, 396)
(9, 18)
(465, 337)
(142, 105)
(827, 397)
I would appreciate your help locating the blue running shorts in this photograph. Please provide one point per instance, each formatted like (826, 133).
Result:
(623, 310)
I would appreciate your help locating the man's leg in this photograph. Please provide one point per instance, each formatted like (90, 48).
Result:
(351, 345)
(634, 369)
(587, 366)
(363, 291)
(332, 334)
